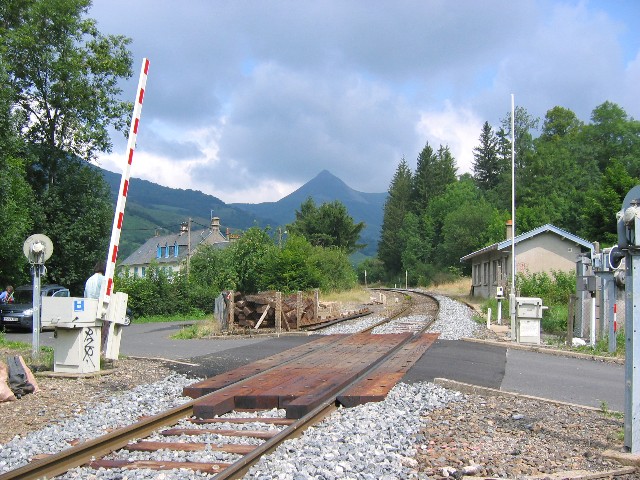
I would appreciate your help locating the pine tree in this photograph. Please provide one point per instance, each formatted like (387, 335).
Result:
(434, 171)
(397, 205)
(487, 166)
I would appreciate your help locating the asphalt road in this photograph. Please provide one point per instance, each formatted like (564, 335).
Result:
(579, 381)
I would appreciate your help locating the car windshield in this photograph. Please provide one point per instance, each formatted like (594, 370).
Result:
(23, 296)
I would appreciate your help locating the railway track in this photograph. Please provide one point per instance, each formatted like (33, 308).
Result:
(241, 415)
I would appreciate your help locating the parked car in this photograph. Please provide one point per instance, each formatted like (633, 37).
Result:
(128, 318)
(19, 313)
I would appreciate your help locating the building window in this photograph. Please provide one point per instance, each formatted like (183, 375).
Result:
(159, 251)
(475, 274)
(144, 271)
(485, 276)
(175, 249)
(172, 250)
(135, 272)
(166, 251)
(497, 271)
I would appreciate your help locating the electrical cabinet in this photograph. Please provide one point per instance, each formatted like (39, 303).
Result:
(528, 317)
(78, 333)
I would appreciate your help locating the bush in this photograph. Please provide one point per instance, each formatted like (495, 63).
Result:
(553, 291)
(554, 319)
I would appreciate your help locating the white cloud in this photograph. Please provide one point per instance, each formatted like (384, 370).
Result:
(457, 128)
(247, 101)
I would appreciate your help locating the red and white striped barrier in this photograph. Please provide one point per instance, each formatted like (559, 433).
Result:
(107, 286)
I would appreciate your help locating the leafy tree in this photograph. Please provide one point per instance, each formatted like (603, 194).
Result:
(248, 256)
(466, 229)
(336, 273)
(603, 201)
(16, 195)
(78, 214)
(612, 134)
(64, 75)
(488, 166)
(560, 123)
(16, 200)
(330, 225)
(375, 271)
(524, 125)
(396, 206)
(289, 269)
(210, 272)
(549, 190)
(417, 255)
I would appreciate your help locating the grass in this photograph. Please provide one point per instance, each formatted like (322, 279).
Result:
(458, 288)
(357, 295)
(202, 329)
(194, 316)
(43, 362)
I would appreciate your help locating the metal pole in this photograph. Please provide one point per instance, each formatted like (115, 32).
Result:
(632, 354)
(512, 294)
(37, 299)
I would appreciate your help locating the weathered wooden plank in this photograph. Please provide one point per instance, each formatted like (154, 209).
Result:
(268, 420)
(237, 374)
(146, 446)
(263, 434)
(159, 465)
(376, 386)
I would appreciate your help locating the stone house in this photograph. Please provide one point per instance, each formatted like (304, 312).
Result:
(170, 252)
(542, 249)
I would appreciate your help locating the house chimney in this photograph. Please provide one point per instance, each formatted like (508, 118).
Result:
(215, 224)
(509, 229)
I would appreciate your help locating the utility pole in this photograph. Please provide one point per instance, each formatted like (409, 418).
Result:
(188, 245)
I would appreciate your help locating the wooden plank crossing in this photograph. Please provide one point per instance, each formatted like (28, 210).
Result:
(376, 385)
(311, 376)
(237, 374)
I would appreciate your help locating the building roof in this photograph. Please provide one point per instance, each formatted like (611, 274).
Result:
(506, 244)
(148, 252)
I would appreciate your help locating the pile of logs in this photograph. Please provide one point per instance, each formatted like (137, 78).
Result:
(259, 311)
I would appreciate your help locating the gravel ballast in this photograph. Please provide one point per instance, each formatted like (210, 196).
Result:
(420, 431)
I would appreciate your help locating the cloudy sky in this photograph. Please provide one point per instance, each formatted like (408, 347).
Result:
(248, 100)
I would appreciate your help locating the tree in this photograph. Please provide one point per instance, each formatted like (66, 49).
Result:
(248, 256)
(16, 195)
(524, 124)
(612, 134)
(487, 164)
(434, 171)
(78, 215)
(64, 76)
(417, 255)
(330, 225)
(396, 206)
(603, 201)
(16, 200)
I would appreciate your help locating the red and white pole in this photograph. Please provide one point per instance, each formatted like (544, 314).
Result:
(615, 318)
(107, 286)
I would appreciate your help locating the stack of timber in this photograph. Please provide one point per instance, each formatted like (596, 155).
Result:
(259, 311)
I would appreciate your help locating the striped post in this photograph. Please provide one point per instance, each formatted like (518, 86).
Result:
(107, 286)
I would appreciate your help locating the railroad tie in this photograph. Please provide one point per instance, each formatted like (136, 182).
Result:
(159, 465)
(148, 446)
